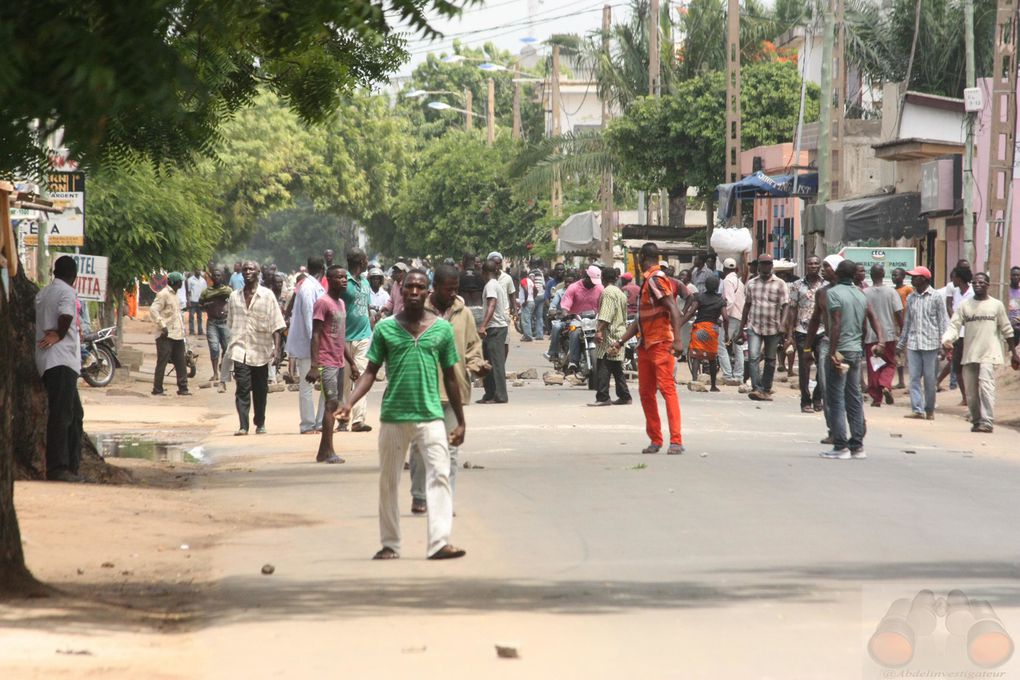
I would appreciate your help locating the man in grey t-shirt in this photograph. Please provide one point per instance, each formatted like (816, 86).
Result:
(493, 329)
(880, 348)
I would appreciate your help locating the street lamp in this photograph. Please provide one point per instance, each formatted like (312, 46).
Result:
(418, 94)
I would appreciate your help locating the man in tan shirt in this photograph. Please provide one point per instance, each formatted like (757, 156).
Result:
(165, 312)
(987, 325)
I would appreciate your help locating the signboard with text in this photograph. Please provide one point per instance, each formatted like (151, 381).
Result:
(66, 228)
(890, 258)
(91, 281)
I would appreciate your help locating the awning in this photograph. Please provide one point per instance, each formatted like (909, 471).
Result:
(886, 216)
(760, 184)
(580, 233)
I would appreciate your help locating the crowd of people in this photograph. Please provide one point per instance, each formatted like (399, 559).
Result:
(430, 332)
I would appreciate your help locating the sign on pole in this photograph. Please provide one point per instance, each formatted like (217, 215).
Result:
(66, 228)
(890, 258)
(91, 281)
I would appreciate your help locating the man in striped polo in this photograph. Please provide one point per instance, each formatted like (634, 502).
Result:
(924, 323)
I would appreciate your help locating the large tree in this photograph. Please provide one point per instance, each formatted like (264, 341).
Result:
(688, 128)
(158, 79)
(460, 199)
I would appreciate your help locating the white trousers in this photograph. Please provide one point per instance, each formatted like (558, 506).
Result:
(430, 439)
(359, 351)
(980, 382)
(311, 418)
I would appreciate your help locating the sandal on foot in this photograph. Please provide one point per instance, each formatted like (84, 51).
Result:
(447, 552)
(361, 427)
(418, 507)
(651, 448)
(675, 449)
(386, 554)
(331, 459)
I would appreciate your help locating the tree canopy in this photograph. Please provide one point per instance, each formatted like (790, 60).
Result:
(460, 199)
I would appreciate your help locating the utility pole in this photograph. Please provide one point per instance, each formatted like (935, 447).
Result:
(839, 112)
(1002, 147)
(490, 119)
(968, 149)
(732, 103)
(557, 187)
(468, 122)
(608, 232)
(825, 108)
(654, 83)
(515, 130)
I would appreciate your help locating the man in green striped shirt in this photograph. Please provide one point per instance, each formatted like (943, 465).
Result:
(612, 324)
(411, 345)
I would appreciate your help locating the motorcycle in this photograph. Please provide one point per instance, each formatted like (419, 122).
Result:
(99, 357)
(587, 324)
(630, 351)
(190, 359)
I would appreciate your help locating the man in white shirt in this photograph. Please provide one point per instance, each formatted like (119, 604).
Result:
(733, 293)
(299, 345)
(196, 284)
(58, 360)
(493, 330)
(256, 327)
(165, 312)
(989, 327)
(526, 302)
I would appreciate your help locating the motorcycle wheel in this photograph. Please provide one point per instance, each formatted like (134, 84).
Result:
(192, 367)
(100, 373)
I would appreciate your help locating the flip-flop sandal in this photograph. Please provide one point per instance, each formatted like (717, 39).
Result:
(386, 554)
(447, 552)
(332, 460)
(651, 448)
(675, 450)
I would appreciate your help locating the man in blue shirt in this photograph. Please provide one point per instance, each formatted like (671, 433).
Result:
(236, 279)
(357, 298)
(299, 345)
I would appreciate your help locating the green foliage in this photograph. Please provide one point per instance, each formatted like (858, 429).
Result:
(880, 42)
(460, 199)
(434, 75)
(679, 140)
(347, 168)
(145, 222)
(157, 78)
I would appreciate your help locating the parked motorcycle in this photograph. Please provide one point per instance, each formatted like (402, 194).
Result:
(99, 357)
(630, 350)
(190, 359)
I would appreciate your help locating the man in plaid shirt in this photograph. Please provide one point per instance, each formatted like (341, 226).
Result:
(762, 325)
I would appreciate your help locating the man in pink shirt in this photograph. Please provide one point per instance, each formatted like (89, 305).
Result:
(330, 354)
(580, 297)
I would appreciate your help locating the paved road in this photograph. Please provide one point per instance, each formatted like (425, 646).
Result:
(748, 557)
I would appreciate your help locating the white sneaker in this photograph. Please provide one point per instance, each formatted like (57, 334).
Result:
(859, 454)
(836, 454)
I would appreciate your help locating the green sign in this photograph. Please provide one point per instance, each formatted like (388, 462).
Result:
(890, 258)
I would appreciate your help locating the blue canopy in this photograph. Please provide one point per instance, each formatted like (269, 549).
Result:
(759, 184)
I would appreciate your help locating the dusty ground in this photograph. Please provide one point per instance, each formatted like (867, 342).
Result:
(754, 560)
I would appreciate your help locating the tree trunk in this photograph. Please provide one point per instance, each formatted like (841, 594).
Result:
(29, 426)
(677, 206)
(14, 575)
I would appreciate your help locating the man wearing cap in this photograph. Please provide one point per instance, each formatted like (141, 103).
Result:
(733, 293)
(632, 291)
(762, 321)
(580, 297)
(165, 312)
(493, 331)
(924, 323)
(396, 303)
(378, 297)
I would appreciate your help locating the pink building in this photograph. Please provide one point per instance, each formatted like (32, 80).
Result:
(777, 228)
(982, 139)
